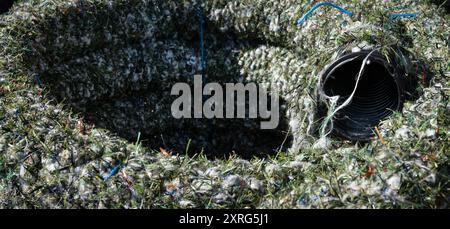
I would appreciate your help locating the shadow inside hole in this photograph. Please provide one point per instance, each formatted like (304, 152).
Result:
(129, 116)
(106, 98)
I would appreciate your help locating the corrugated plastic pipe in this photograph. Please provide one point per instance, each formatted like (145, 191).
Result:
(381, 90)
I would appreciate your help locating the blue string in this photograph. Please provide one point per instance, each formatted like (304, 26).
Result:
(301, 20)
(203, 62)
(202, 41)
(396, 15)
(113, 172)
(304, 17)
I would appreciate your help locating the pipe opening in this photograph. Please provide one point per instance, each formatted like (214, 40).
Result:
(376, 97)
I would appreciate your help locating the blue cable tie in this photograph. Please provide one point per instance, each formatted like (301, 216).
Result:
(301, 20)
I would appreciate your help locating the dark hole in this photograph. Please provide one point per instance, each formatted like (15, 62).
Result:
(5, 5)
(376, 97)
(129, 115)
(128, 108)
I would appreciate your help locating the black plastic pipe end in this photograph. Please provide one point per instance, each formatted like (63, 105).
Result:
(381, 90)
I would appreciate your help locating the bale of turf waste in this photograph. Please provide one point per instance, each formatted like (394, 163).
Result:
(85, 106)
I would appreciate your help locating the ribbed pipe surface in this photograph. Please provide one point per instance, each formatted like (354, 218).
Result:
(378, 93)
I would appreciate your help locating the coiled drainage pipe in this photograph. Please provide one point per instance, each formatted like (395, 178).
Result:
(380, 91)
